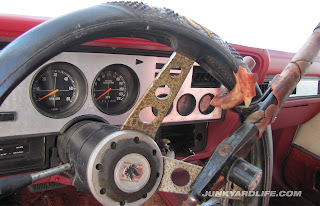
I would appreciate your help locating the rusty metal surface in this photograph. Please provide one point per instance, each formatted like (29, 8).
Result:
(224, 150)
(284, 83)
(241, 109)
(149, 99)
(244, 90)
(170, 165)
(261, 119)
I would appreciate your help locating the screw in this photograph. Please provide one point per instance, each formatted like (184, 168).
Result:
(136, 140)
(99, 166)
(154, 152)
(103, 191)
(224, 150)
(113, 145)
(158, 174)
(145, 195)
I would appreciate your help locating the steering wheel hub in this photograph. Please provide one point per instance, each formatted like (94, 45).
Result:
(132, 172)
(117, 167)
(124, 167)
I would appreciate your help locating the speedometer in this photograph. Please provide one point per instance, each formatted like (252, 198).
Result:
(115, 89)
(58, 90)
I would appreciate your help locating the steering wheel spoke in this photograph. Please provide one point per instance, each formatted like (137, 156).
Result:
(172, 165)
(150, 99)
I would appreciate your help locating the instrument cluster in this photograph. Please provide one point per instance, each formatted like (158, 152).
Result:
(59, 89)
(76, 85)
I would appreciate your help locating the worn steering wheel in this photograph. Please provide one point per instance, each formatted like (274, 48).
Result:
(190, 41)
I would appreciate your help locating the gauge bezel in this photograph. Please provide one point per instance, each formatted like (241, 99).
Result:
(191, 107)
(80, 83)
(210, 108)
(133, 89)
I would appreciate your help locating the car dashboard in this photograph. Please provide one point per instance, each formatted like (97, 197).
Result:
(102, 84)
(102, 81)
(46, 118)
(105, 79)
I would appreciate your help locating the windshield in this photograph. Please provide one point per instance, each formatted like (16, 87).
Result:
(278, 25)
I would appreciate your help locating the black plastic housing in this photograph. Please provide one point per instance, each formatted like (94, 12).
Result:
(77, 143)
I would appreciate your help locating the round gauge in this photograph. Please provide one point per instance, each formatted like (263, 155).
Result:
(186, 104)
(115, 89)
(58, 90)
(204, 104)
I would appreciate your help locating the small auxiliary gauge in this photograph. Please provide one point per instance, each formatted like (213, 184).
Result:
(58, 90)
(115, 89)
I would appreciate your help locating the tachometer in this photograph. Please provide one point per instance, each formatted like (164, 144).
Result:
(58, 90)
(115, 89)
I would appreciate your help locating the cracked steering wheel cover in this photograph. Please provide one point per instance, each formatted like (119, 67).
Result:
(126, 19)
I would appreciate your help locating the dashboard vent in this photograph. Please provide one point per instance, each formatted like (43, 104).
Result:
(159, 65)
(202, 79)
(264, 86)
(307, 87)
(175, 71)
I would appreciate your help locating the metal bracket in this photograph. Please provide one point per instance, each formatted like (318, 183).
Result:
(171, 165)
(149, 99)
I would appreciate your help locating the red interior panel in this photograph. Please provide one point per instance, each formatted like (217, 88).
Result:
(299, 173)
(282, 139)
(304, 109)
(279, 60)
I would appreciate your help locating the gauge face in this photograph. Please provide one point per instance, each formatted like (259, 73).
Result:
(204, 104)
(186, 104)
(115, 89)
(58, 90)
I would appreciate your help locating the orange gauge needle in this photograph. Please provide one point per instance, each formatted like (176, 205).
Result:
(106, 92)
(51, 93)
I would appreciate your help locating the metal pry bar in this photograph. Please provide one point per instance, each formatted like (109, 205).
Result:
(12, 184)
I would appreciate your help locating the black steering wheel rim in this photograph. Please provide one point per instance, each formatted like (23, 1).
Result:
(26, 53)
(127, 19)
